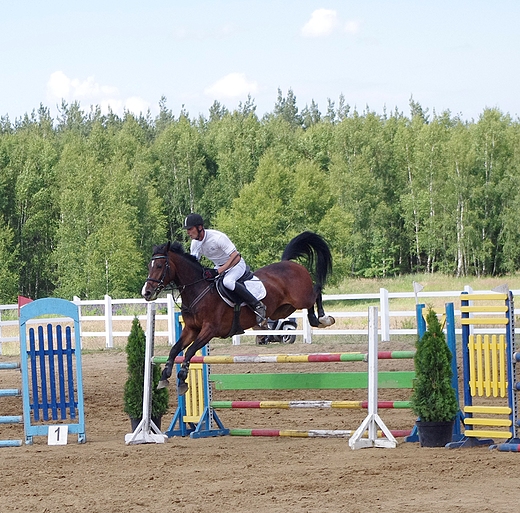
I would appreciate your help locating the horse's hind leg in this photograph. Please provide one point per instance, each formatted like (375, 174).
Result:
(323, 320)
(313, 320)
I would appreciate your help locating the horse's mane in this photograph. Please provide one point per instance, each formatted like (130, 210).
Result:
(175, 247)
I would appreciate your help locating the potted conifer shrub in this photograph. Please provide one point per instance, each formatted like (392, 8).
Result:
(134, 386)
(433, 398)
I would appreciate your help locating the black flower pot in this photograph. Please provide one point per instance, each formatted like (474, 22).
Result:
(435, 434)
(135, 422)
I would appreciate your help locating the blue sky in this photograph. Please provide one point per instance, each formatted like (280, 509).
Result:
(461, 56)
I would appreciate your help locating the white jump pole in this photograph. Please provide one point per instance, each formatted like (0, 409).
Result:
(372, 420)
(147, 432)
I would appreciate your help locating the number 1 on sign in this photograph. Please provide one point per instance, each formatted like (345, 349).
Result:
(58, 435)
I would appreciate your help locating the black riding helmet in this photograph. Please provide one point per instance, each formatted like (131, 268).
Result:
(193, 220)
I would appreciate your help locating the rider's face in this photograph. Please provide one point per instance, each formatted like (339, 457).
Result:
(193, 232)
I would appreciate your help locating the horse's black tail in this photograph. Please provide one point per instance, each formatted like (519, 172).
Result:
(316, 250)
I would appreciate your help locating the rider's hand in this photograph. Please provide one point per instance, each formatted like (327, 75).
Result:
(210, 274)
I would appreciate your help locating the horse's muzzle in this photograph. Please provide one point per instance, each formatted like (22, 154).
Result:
(150, 294)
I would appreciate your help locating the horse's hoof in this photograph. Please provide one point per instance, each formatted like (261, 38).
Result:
(326, 320)
(182, 388)
(162, 384)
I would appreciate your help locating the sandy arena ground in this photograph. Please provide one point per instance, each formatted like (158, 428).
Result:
(244, 474)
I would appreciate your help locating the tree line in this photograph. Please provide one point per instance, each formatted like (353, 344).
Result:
(85, 196)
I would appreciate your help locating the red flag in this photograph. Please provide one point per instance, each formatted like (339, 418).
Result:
(22, 301)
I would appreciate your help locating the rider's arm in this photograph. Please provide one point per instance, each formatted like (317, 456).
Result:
(233, 259)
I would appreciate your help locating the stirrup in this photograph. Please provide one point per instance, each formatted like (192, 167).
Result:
(261, 311)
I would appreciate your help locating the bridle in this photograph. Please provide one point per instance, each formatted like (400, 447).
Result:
(161, 285)
(166, 270)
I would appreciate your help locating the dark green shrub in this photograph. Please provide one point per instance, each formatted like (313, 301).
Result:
(433, 398)
(133, 392)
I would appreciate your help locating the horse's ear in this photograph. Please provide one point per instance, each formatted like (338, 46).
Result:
(168, 246)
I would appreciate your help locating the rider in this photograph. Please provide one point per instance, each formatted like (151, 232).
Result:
(217, 247)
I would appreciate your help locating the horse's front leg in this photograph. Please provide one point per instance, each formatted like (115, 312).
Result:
(182, 375)
(186, 336)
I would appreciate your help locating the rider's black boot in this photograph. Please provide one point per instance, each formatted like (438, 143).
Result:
(257, 306)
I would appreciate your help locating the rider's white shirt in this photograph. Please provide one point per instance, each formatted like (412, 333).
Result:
(215, 245)
(218, 247)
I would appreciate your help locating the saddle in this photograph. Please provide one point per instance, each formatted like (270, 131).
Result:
(229, 297)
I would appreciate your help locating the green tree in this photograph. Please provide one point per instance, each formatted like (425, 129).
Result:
(134, 385)
(433, 398)
(430, 179)
(492, 159)
(279, 204)
(32, 162)
(364, 178)
(234, 147)
(286, 109)
(310, 198)
(461, 161)
(81, 172)
(311, 115)
(182, 176)
(336, 227)
(8, 265)
(111, 215)
(257, 221)
(165, 117)
(317, 144)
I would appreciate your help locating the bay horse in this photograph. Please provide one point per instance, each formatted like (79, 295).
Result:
(206, 315)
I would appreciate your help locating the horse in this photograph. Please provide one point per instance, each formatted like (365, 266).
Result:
(288, 284)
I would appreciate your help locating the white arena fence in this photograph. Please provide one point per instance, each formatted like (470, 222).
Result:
(109, 316)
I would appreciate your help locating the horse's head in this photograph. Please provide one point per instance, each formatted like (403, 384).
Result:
(160, 273)
(166, 267)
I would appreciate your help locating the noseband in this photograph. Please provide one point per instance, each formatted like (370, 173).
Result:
(166, 270)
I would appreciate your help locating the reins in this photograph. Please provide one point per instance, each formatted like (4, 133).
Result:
(198, 298)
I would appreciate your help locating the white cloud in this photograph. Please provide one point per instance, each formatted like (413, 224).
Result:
(111, 104)
(89, 92)
(58, 85)
(136, 105)
(322, 23)
(234, 85)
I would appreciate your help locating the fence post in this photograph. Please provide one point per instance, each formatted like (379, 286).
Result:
(372, 420)
(307, 329)
(385, 315)
(171, 320)
(469, 290)
(108, 322)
